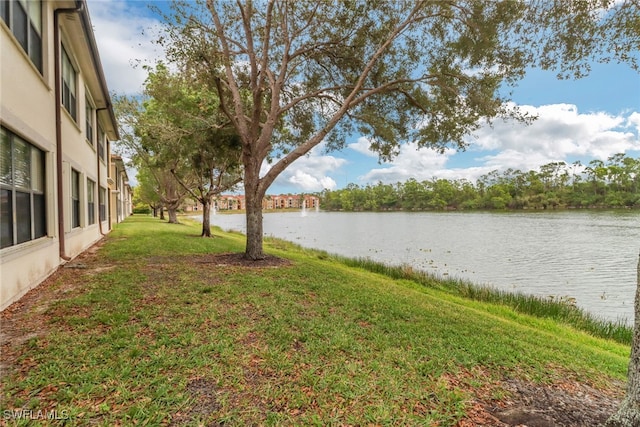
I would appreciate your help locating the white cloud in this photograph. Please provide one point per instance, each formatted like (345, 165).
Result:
(124, 34)
(411, 162)
(308, 182)
(560, 133)
(633, 121)
(362, 146)
(309, 173)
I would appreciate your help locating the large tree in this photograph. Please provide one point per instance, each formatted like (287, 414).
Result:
(291, 75)
(146, 192)
(148, 152)
(204, 147)
(179, 141)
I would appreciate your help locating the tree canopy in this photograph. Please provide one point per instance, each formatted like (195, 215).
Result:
(184, 120)
(178, 140)
(291, 75)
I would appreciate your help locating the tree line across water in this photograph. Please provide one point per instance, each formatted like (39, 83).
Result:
(614, 183)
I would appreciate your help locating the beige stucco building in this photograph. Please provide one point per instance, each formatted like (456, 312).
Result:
(237, 202)
(56, 127)
(121, 202)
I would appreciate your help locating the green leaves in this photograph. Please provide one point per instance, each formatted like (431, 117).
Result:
(292, 75)
(180, 139)
(320, 66)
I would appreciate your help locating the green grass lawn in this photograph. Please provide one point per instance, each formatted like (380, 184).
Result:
(153, 329)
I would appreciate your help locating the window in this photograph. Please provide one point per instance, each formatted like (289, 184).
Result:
(102, 197)
(22, 203)
(91, 204)
(88, 112)
(100, 143)
(75, 198)
(68, 85)
(24, 18)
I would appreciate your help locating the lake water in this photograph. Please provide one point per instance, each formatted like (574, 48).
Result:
(587, 255)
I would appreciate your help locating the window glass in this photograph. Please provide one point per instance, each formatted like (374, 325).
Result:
(6, 218)
(21, 163)
(35, 15)
(37, 171)
(91, 188)
(100, 143)
(71, 77)
(39, 216)
(75, 185)
(35, 47)
(4, 11)
(6, 170)
(91, 204)
(24, 18)
(68, 84)
(20, 25)
(35, 33)
(75, 198)
(23, 216)
(102, 197)
(88, 120)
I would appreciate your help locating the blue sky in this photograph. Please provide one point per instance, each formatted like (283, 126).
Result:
(591, 118)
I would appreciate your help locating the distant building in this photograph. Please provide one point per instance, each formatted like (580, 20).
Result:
(290, 201)
(121, 196)
(237, 202)
(229, 202)
(56, 182)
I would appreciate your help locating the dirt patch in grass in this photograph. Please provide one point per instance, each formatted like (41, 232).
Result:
(235, 259)
(239, 260)
(566, 403)
(205, 396)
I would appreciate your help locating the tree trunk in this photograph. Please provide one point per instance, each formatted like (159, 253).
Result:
(206, 217)
(628, 414)
(161, 212)
(172, 210)
(173, 214)
(253, 205)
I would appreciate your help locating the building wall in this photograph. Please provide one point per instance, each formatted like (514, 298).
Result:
(121, 205)
(28, 118)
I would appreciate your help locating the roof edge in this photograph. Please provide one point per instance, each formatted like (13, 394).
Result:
(95, 56)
